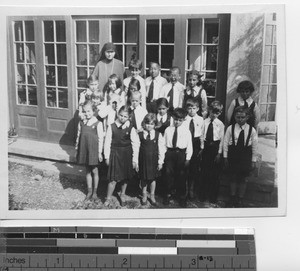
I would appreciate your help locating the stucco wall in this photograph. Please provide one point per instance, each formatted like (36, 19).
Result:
(245, 52)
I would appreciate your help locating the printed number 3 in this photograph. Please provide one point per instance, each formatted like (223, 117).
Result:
(193, 261)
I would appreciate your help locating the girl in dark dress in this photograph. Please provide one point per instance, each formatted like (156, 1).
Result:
(121, 154)
(89, 146)
(151, 156)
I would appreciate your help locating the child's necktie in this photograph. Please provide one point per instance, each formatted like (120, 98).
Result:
(245, 103)
(210, 132)
(192, 127)
(150, 93)
(174, 140)
(241, 139)
(171, 95)
(148, 136)
(134, 119)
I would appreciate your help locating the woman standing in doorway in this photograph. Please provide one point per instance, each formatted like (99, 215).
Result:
(108, 65)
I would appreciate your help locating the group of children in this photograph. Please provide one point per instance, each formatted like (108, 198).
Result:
(165, 131)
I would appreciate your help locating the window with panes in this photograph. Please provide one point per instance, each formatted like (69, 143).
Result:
(25, 63)
(268, 92)
(160, 42)
(87, 46)
(55, 63)
(202, 41)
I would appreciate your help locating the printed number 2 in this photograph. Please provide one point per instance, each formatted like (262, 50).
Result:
(193, 262)
(124, 261)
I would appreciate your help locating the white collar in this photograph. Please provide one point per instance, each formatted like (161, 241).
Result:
(124, 125)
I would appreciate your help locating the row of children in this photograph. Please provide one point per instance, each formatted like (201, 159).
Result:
(136, 140)
(179, 149)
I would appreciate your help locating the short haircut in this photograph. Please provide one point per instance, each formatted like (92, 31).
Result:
(162, 101)
(215, 107)
(91, 104)
(175, 68)
(125, 108)
(179, 113)
(245, 85)
(149, 118)
(98, 94)
(136, 94)
(135, 83)
(192, 102)
(117, 79)
(241, 109)
(135, 64)
(154, 63)
(92, 78)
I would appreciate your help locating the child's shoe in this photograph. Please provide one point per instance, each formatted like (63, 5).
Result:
(152, 200)
(122, 200)
(232, 202)
(89, 194)
(107, 202)
(94, 196)
(167, 200)
(144, 199)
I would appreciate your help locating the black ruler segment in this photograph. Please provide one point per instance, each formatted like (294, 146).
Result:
(132, 248)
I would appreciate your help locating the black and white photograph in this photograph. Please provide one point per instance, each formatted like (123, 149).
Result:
(144, 112)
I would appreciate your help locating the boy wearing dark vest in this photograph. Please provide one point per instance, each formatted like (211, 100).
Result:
(240, 152)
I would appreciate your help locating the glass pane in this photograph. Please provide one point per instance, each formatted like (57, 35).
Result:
(266, 74)
(167, 31)
(210, 87)
(31, 74)
(81, 54)
(211, 31)
(263, 112)
(30, 53)
(94, 54)
(167, 56)
(269, 34)
(119, 54)
(194, 30)
(274, 55)
(49, 54)
(152, 31)
(194, 58)
(152, 54)
(210, 75)
(18, 31)
(81, 31)
(130, 53)
(90, 71)
(210, 57)
(29, 30)
(60, 31)
(63, 98)
(273, 75)
(274, 35)
(61, 53)
(272, 94)
(32, 95)
(263, 98)
(62, 76)
(22, 95)
(267, 54)
(131, 31)
(271, 112)
(20, 74)
(20, 52)
(51, 97)
(117, 31)
(48, 31)
(81, 77)
(50, 76)
(94, 31)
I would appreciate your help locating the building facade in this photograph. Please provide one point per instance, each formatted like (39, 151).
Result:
(50, 58)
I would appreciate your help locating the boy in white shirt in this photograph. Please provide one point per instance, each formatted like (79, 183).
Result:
(179, 147)
(154, 84)
(138, 111)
